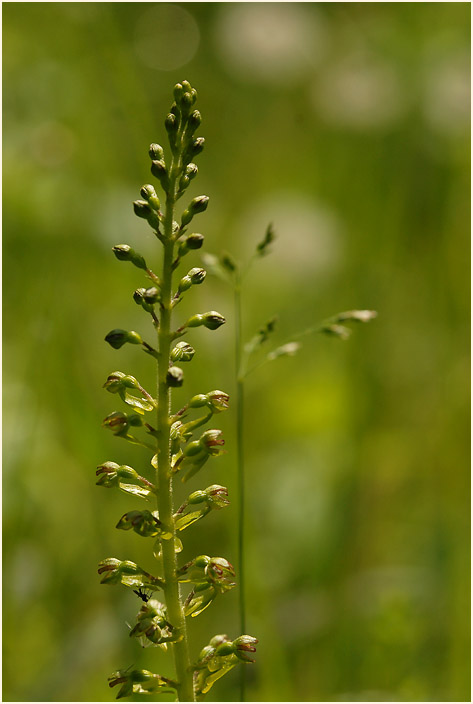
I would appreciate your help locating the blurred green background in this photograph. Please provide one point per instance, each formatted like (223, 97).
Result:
(346, 125)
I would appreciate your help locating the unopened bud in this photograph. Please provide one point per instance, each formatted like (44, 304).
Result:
(178, 92)
(138, 295)
(125, 253)
(195, 118)
(186, 102)
(114, 382)
(117, 422)
(197, 275)
(175, 376)
(148, 192)
(196, 147)
(171, 124)
(151, 295)
(212, 320)
(156, 152)
(142, 209)
(182, 352)
(191, 170)
(158, 169)
(193, 241)
(184, 284)
(117, 338)
(197, 205)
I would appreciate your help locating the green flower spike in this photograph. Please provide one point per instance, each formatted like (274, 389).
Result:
(170, 438)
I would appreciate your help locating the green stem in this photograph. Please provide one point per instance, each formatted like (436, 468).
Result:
(240, 469)
(180, 648)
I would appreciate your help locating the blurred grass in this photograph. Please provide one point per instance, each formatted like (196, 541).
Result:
(347, 126)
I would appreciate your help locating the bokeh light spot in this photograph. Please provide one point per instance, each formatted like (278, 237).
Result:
(447, 92)
(166, 37)
(359, 92)
(272, 42)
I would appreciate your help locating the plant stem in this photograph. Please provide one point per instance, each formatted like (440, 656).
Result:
(240, 469)
(180, 648)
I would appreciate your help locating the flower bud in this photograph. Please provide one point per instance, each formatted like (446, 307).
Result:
(182, 352)
(191, 171)
(194, 149)
(158, 169)
(171, 124)
(114, 382)
(142, 209)
(117, 422)
(211, 320)
(199, 204)
(184, 181)
(117, 338)
(178, 92)
(138, 295)
(187, 86)
(193, 241)
(197, 275)
(175, 376)
(195, 118)
(184, 284)
(156, 152)
(125, 253)
(149, 194)
(151, 295)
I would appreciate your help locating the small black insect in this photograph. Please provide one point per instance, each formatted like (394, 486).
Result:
(144, 596)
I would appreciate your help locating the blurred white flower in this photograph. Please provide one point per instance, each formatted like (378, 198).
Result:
(275, 42)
